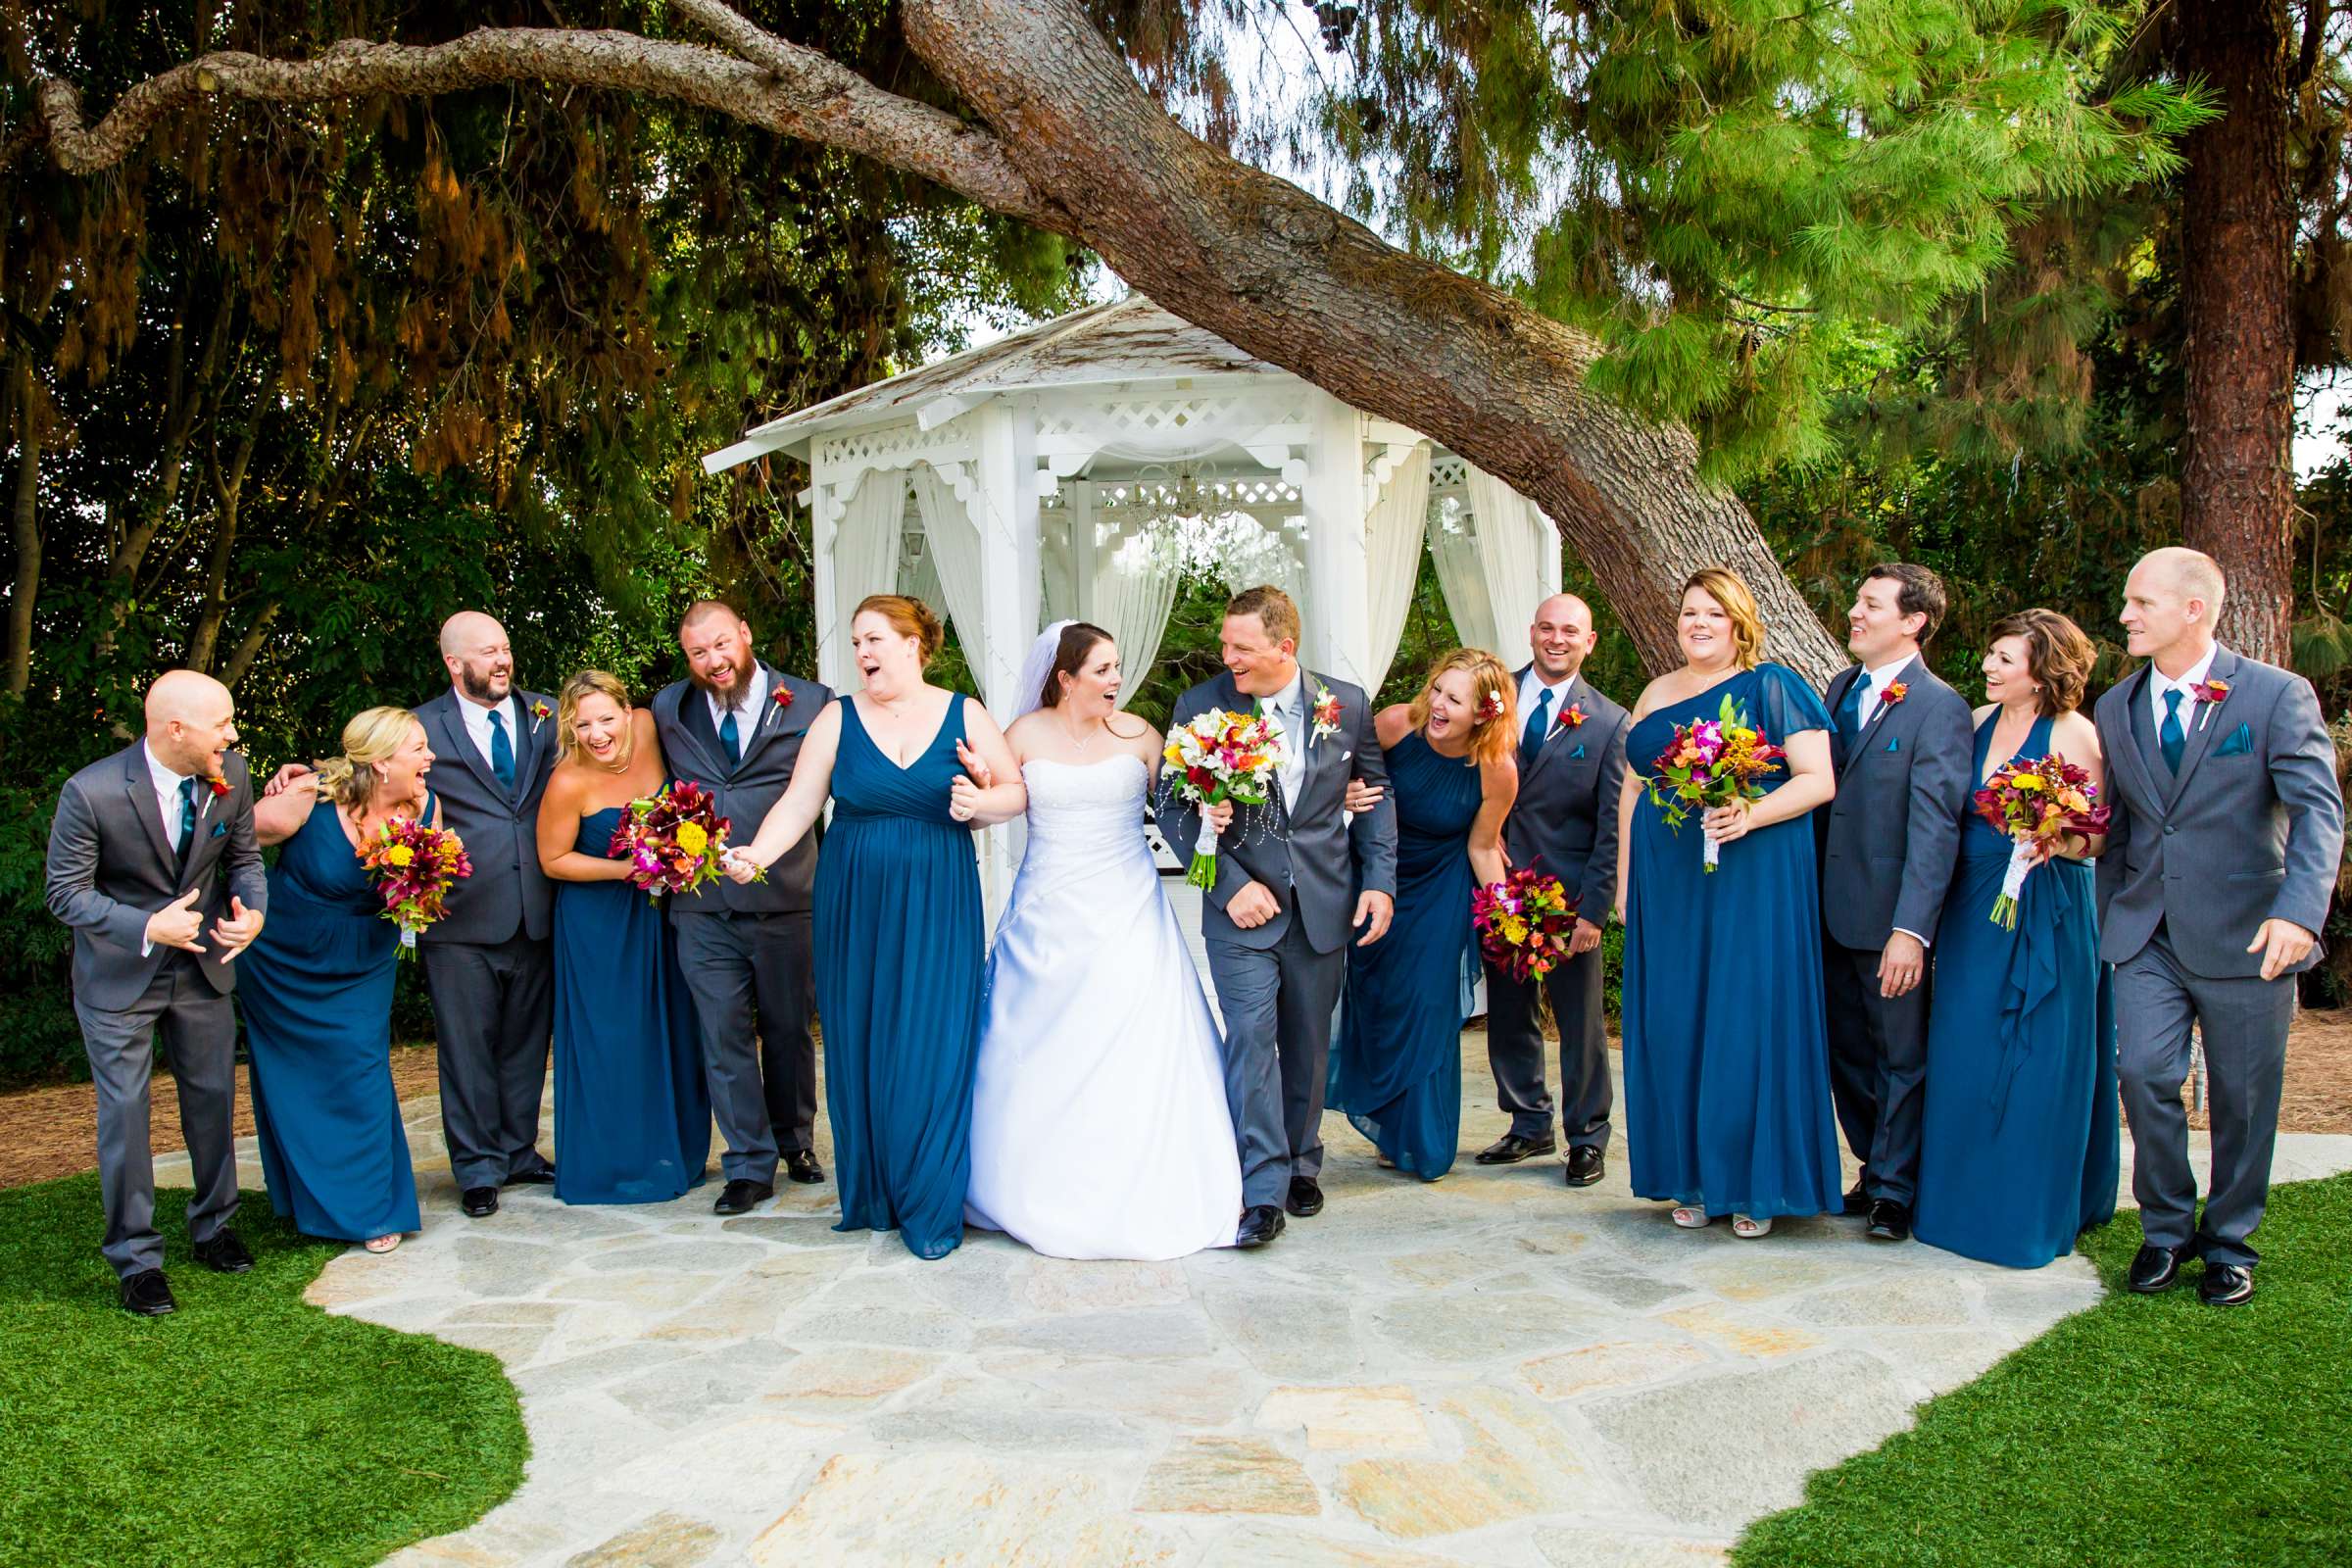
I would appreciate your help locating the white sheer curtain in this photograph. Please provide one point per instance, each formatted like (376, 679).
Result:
(1515, 540)
(1129, 593)
(953, 536)
(1393, 527)
(865, 552)
(1453, 546)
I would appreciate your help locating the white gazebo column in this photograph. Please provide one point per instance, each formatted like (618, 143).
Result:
(825, 529)
(1003, 504)
(1338, 608)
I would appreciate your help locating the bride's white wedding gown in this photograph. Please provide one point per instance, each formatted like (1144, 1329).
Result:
(1099, 1119)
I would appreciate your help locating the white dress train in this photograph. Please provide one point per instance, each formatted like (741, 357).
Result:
(1099, 1119)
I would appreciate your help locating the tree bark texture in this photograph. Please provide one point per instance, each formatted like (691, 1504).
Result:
(2237, 492)
(1068, 140)
(25, 526)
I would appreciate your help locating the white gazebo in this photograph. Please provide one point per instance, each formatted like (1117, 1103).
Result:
(1081, 468)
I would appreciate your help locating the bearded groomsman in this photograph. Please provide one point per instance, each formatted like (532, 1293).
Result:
(154, 863)
(735, 725)
(1564, 825)
(1902, 745)
(2227, 834)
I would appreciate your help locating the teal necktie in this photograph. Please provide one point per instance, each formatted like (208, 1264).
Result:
(1539, 724)
(731, 738)
(501, 752)
(188, 799)
(2171, 739)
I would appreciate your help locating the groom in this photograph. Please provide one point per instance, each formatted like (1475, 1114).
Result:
(1279, 916)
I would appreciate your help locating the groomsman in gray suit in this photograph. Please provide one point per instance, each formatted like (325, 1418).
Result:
(1902, 745)
(2227, 833)
(486, 961)
(1286, 901)
(735, 727)
(1564, 825)
(154, 863)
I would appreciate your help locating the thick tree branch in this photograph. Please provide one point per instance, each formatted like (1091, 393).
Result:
(792, 91)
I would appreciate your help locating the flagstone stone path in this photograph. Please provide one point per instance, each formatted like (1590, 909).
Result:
(1492, 1369)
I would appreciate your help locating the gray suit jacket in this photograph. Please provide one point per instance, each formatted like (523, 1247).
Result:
(1312, 857)
(508, 893)
(1892, 837)
(746, 790)
(1564, 822)
(2251, 829)
(111, 865)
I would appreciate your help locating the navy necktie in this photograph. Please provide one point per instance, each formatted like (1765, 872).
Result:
(502, 751)
(188, 799)
(731, 738)
(2171, 739)
(1538, 724)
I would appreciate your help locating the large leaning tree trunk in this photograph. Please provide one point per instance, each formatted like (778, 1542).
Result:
(2238, 491)
(1068, 140)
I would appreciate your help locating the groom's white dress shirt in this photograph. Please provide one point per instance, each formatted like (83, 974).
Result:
(2190, 679)
(477, 725)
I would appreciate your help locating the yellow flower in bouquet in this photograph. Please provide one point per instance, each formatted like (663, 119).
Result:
(692, 839)
(400, 855)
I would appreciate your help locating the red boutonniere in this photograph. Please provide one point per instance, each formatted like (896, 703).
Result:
(2209, 695)
(217, 785)
(541, 712)
(1894, 693)
(782, 698)
(1570, 718)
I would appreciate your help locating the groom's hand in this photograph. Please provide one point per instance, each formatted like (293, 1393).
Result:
(288, 774)
(177, 924)
(1252, 907)
(1373, 911)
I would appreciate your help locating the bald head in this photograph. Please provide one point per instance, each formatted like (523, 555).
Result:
(190, 722)
(2171, 603)
(475, 650)
(1561, 636)
(2190, 573)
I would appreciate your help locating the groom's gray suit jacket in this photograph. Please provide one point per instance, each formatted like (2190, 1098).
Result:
(1310, 856)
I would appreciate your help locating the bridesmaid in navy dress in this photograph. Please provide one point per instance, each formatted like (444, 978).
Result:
(316, 988)
(632, 1111)
(899, 930)
(1397, 1066)
(2021, 1144)
(1727, 1078)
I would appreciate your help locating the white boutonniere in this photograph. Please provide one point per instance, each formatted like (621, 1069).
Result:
(1326, 713)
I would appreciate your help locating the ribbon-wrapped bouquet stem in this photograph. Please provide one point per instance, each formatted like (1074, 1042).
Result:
(1222, 755)
(2033, 802)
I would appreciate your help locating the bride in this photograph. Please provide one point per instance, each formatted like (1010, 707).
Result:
(1099, 1119)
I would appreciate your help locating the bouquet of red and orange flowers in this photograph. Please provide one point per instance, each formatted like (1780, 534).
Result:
(1711, 763)
(414, 867)
(1222, 755)
(675, 841)
(2034, 803)
(1524, 923)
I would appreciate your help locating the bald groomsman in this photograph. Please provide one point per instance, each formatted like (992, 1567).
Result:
(154, 863)
(2227, 835)
(1564, 825)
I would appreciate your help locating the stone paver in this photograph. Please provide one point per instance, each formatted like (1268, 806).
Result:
(1492, 1369)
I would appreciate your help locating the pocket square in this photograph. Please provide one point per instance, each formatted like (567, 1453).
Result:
(219, 828)
(2239, 743)
(1894, 743)
(1579, 751)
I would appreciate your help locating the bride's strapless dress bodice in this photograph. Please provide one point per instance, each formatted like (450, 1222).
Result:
(1098, 1120)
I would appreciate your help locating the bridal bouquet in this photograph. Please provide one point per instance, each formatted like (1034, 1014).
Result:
(414, 866)
(1222, 755)
(1524, 923)
(2033, 802)
(675, 842)
(1711, 763)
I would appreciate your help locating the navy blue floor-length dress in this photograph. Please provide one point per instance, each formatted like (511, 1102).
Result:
(1727, 1075)
(2021, 1144)
(632, 1111)
(316, 988)
(1397, 1066)
(899, 952)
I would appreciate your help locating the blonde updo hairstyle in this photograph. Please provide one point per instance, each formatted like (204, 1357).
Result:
(1490, 739)
(1725, 587)
(909, 618)
(591, 683)
(373, 735)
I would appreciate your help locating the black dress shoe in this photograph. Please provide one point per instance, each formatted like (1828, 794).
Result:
(224, 1253)
(536, 1176)
(801, 1165)
(2226, 1285)
(146, 1294)
(1510, 1149)
(741, 1197)
(1857, 1201)
(479, 1202)
(1890, 1221)
(2154, 1269)
(1260, 1225)
(1586, 1162)
(1306, 1200)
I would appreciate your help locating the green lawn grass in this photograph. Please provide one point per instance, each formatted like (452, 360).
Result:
(2147, 1431)
(245, 1428)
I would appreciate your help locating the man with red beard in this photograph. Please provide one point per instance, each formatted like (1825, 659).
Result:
(735, 727)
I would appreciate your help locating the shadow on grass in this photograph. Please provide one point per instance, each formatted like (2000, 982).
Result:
(246, 1428)
(2148, 1430)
